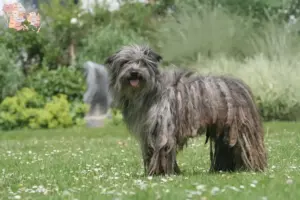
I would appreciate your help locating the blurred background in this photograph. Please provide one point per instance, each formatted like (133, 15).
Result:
(41, 77)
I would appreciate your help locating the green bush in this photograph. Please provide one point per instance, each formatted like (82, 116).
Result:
(61, 33)
(103, 41)
(94, 35)
(135, 17)
(274, 82)
(216, 41)
(11, 76)
(64, 80)
(276, 41)
(26, 46)
(197, 30)
(116, 117)
(256, 9)
(253, 8)
(51, 47)
(27, 109)
(245, 38)
(108, 31)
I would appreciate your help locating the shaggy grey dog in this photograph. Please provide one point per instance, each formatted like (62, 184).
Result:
(165, 108)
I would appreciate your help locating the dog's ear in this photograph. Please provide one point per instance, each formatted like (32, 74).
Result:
(157, 56)
(153, 55)
(109, 60)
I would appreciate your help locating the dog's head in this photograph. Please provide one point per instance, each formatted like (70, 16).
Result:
(133, 69)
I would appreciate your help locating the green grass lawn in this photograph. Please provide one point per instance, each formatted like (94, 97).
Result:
(106, 164)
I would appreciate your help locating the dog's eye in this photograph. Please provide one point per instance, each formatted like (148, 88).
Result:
(143, 63)
(124, 62)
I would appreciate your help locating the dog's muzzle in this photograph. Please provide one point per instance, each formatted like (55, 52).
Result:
(135, 78)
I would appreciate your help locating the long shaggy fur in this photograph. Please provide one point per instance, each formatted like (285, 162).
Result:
(169, 107)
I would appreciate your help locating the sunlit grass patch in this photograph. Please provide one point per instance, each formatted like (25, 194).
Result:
(106, 164)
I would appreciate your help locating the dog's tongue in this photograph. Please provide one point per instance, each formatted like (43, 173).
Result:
(134, 83)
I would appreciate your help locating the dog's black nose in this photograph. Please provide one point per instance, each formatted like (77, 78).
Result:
(134, 73)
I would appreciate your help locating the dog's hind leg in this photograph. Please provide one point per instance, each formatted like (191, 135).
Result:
(224, 156)
(249, 152)
(176, 168)
(211, 154)
(210, 135)
(221, 154)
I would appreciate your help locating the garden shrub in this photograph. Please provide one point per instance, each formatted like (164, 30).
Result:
(254, 8)
(197, 30)
(195, 33)
(274, 82)
(116, 117)
(68, 25)
(103, 41)
(28, 109)
(26, 46)
(65, 28)
(136, 17)
(64, 80)
(94, 35)
(78, 111)
(11, 76)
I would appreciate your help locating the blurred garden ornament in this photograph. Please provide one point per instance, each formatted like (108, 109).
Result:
(97, 94)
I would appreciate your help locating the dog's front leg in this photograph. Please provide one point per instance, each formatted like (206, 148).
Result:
(169, 163)
(163, 162)
(163, 159)
(147, 153)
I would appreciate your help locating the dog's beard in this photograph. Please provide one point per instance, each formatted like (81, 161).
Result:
(133, 83)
